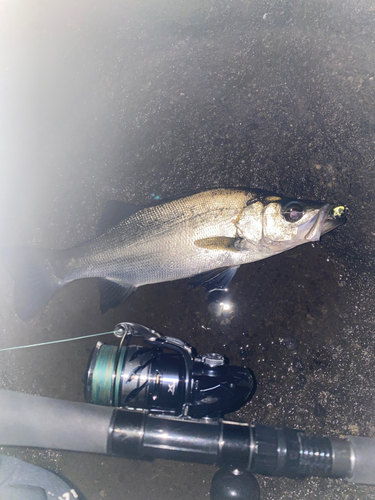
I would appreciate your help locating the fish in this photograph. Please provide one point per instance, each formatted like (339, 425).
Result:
(204, 236)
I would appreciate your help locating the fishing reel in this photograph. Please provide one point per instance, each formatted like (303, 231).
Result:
(164, 376)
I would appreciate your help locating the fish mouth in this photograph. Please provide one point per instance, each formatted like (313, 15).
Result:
(331, 222)
(328, 218)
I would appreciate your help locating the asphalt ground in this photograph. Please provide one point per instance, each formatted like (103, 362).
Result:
(130, 100)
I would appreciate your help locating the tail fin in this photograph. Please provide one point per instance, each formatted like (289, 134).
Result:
(35, 281)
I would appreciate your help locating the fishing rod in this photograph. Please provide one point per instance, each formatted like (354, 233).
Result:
(162, 400)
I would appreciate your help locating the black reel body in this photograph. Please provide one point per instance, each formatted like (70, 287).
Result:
(165, 376)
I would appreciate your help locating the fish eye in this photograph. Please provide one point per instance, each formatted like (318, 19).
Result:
(293, 211)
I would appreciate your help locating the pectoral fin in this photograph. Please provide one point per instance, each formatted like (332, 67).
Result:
(218, 243)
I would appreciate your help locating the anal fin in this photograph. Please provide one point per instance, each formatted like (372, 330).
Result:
(112, 294)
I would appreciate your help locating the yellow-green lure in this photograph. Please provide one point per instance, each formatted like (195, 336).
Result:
(338, 212)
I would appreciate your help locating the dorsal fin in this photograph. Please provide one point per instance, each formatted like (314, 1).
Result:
(113, 213)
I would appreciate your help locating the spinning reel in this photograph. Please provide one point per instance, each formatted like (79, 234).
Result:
(165, 376)
(168, 402)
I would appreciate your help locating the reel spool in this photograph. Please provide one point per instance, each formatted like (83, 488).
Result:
(165, 376)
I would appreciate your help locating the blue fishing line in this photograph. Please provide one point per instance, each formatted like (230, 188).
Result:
(103, 376)
(120, 364)
(55, 341)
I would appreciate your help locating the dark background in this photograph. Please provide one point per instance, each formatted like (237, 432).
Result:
(125, 100)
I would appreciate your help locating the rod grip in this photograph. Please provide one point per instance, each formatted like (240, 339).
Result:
(362, 459)
(40, 422)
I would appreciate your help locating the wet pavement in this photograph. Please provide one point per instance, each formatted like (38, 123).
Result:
(128, 101)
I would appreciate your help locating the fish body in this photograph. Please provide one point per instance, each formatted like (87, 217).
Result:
(218, 229)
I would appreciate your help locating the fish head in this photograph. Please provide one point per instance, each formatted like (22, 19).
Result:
(281, 223)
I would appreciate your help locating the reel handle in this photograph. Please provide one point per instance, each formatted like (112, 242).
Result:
(234, 483)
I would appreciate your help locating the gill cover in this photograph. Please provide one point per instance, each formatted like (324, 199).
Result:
(284, 222)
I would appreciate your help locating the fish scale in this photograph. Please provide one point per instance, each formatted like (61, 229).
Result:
(149, 246)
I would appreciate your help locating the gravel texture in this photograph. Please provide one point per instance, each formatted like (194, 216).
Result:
(132, 100)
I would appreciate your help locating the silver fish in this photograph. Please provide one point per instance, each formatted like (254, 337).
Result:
(207, 236)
